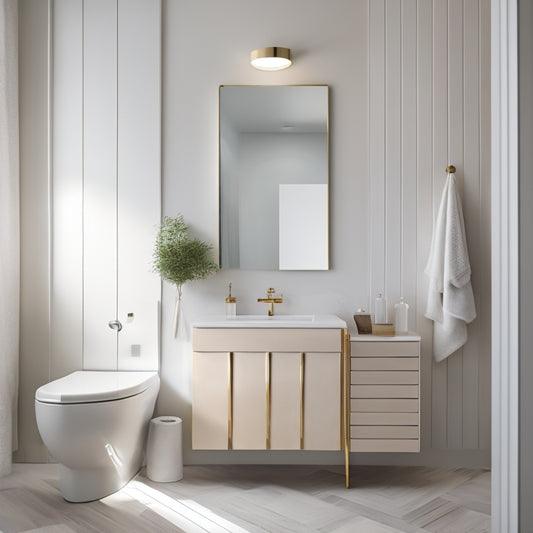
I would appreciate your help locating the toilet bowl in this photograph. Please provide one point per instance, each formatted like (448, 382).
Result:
(94, 423)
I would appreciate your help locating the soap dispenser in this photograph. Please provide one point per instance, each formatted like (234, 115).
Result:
(231, 305)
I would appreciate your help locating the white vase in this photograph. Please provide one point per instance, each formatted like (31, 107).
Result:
(178, 313)
(180, 325)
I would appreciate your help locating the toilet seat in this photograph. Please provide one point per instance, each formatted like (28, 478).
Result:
(89, 386)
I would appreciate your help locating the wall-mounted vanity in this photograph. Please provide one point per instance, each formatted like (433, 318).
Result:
(274, 178)
(296, 382)
(270, 383)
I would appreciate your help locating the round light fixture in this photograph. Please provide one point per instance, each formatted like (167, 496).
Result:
(271, 58)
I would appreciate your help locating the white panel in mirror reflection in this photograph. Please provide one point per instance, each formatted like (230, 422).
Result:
(268, 136)
(303, 227)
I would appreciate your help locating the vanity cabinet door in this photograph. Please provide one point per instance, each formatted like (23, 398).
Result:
(282, 398)
(249, 401)
(210, 401)
(285, 401)
(322, 401)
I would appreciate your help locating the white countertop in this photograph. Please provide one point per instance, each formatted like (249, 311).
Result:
(276, 321)
(413, 337)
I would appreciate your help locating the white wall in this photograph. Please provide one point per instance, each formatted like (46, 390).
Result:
(429, 79)
(409, 94)
(92, 197)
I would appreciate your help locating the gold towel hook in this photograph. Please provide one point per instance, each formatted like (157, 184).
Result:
(451, 169)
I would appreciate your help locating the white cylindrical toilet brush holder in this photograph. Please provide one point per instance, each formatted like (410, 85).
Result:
(164, 449)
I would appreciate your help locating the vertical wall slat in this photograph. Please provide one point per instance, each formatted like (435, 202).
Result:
(34, 95)
(67, 189)
(409, 131)
(444, 46)
(484, 297)
(471, 203)
(377, 146)
(440, 161)
(139, 177)
(393, 183)
(456, 157)
(424, 208)
(100, 119)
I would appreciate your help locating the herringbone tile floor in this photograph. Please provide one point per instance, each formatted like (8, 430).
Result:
(253, 499)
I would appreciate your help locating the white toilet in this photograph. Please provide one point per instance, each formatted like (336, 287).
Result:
(94, 423)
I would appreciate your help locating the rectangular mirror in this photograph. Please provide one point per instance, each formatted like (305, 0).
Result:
(274, 177)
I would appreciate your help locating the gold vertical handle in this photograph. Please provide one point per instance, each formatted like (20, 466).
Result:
(268, 370)
(302, 391)
(230, 400)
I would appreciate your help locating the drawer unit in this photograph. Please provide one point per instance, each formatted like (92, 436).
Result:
(385, 394)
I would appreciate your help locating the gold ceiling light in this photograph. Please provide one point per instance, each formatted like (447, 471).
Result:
(271, 58)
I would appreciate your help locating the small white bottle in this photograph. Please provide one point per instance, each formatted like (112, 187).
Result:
(401, 318)
(231, 305)
(380, 310)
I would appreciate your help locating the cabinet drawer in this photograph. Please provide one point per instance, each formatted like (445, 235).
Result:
(384, 432)
(384, 349)
(385, 445)
(384, 419)
(384, 363)
(384, 391)
(371, 377)
(389, 405)
(266, 340)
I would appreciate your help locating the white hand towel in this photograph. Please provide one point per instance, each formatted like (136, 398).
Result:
(450, 299)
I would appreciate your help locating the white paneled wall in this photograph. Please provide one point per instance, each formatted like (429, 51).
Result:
(138, 181)
(410, 94)
(92, 198)
(100, 133)
(429, 87)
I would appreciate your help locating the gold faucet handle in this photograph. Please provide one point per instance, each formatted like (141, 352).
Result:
(270, 292)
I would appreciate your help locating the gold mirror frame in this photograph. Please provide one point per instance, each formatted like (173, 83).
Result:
(220, 207)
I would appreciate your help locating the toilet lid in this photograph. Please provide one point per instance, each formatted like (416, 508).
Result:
(89, 386)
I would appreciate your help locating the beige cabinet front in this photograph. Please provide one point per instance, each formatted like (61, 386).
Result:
(385, 396)
(257, 400)
(285, 401)
(210, 392)
(249, 401)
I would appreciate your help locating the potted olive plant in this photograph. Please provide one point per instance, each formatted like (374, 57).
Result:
(177, 258)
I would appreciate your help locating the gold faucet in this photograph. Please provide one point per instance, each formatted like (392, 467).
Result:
(270, 300)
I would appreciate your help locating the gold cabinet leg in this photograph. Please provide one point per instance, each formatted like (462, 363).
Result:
(346, 410)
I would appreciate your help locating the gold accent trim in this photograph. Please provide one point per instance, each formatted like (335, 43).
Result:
(268, 356)
(230, 400)
(342, 392)
(271, 51)
(346, 411)
(451, 169)
(302, 390)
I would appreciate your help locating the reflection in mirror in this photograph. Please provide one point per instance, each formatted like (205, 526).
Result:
(274, 177)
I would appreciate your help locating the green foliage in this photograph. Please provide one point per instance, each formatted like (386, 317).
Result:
(177, 258)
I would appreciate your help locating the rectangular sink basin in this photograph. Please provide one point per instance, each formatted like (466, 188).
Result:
(276, 321)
